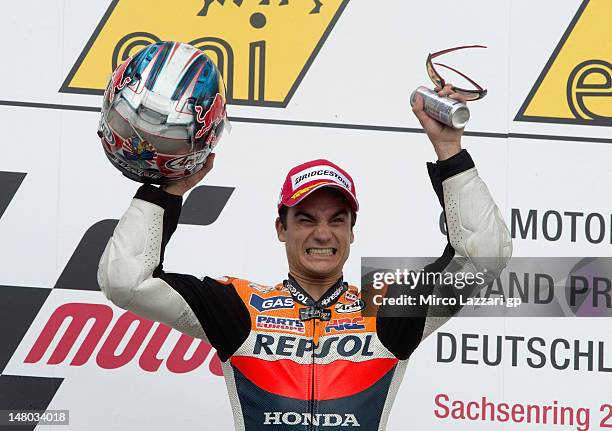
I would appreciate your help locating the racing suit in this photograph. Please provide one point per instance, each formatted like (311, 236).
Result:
(290, 362)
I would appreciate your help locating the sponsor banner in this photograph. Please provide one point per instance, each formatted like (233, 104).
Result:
(257, 53)
(558, 211)
(579, 354)
(84, 341)
(81, 330)
(575, 86)
(490, 362)
(534, 414)
(262, 62)
(554, 225)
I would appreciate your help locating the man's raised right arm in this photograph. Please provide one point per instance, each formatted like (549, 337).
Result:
(130, 272)
(131, 275)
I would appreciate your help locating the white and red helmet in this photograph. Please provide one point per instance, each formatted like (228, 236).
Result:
(163, 112)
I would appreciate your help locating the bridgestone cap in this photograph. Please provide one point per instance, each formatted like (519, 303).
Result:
(304, 179)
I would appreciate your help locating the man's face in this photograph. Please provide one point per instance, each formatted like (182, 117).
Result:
(318, 234)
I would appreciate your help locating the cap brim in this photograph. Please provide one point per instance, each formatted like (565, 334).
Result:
(349, 196)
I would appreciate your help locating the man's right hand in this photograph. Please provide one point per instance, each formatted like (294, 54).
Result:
(181, 187)
(446, 140)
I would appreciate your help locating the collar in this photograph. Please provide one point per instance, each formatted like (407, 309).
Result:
(329, 298)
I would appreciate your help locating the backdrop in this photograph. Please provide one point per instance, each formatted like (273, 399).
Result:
(306, 79)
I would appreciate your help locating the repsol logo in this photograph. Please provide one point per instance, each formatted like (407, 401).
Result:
(286, 345)
(555, 225)
(318, 419)
(78, 315)
(299, 296)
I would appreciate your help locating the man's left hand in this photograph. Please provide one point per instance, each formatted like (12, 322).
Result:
(446, 140)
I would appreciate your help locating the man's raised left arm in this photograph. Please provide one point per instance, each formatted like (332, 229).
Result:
(478, 238)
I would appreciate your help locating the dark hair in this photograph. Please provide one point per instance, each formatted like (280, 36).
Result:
(282, 212)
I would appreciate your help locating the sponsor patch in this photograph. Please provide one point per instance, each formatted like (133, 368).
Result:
(345, 346)
(211, 118)
(345, 324)
(318, 419)
(299, 296)
(107, 134)
(323, 172)
(182, 163)
(351, 295)
(307, 189)
(353, 307)
(273, 303)
(134, 170)
(224, 279)
(280, 323)
(261, 287)
(334, 295)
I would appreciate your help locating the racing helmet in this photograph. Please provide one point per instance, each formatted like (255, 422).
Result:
(163, 112)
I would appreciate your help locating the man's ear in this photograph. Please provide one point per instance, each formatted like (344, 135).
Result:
(280, 230)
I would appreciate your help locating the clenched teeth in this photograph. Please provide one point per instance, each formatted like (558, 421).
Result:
(321, 251)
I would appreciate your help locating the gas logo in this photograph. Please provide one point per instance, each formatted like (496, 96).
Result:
(263, 48)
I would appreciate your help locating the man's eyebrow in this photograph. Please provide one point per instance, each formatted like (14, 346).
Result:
(299, 213)
(303, 213)
(343, 211)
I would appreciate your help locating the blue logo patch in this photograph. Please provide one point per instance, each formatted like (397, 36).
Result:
(346, 324)
(273, 303)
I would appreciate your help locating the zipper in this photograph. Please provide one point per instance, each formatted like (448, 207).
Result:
(315, 311)
(315, 341)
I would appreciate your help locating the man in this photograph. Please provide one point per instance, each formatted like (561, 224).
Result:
(301, 355)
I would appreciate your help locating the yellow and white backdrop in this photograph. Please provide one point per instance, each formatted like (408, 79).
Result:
(306, 79)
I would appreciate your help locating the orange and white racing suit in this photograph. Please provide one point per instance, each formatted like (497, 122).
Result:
(290, 362)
